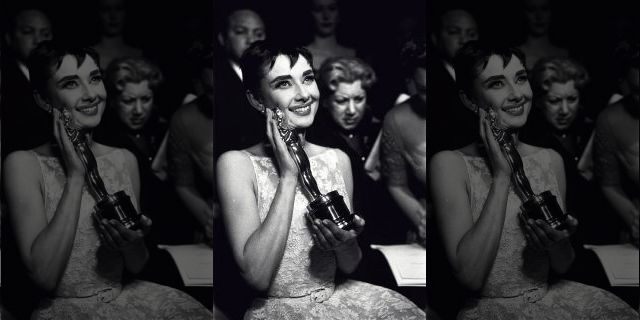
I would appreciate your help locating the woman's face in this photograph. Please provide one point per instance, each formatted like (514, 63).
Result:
(506, 90)
(325, 16)
(292, 89)
(134, 104)
(348, 104)
(112, 16)
(79, 90)
(560, 104)
(538, 15)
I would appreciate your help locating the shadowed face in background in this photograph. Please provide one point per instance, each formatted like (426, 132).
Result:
(325, 16)
(458, 27)
(244, 28)
(31, 28)
(348, 104)
(112, 16)
(134, 104)
(538, 15)
(560, 104)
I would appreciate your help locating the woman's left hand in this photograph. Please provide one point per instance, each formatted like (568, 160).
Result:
(117, 237)
(542, 237)
(328, 236)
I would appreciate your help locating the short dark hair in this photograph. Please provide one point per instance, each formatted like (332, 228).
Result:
(473, 57)
(47, 57)
(260, 57)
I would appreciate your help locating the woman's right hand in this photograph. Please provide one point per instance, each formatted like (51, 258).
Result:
(72, 163)
(286, 165)
(499, 165)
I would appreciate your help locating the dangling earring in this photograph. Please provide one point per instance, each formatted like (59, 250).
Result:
(263, 109)
(49, 108)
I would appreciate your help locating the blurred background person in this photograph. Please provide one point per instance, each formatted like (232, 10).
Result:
(240, 28)
(454, 26)
(538, 41)
(112, 18)
(616, 148)
(326, 21)
(26, 124)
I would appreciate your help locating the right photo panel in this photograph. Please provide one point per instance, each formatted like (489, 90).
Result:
(532, 180)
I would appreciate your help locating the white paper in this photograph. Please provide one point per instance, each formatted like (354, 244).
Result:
(194, 262)
(620, 263)
(408, 263)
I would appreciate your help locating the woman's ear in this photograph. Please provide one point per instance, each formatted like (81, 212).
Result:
(467, 102)
(255, 102)
(42, 103)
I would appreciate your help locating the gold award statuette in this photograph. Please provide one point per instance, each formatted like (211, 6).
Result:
(116, 206)
(321, 206)
(543, 206)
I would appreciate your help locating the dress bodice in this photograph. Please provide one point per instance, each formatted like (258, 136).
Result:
(91, 269)
(305, 269)
(517, 269)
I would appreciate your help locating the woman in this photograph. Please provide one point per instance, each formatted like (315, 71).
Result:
(293, 261)
(477, 209)
(538, 41)
(404, 144)
(345, 120)
(112, 16)
(326, 17)
(131, 122)
(79, 260)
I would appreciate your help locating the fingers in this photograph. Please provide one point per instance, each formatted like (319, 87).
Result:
(359, 224)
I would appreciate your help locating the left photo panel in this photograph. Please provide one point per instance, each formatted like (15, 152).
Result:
(107, 190)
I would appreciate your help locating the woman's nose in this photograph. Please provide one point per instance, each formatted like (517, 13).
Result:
(564, 107)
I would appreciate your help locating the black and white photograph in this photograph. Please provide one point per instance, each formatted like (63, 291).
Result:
(105, 201)
(319, 159)
(532, 144)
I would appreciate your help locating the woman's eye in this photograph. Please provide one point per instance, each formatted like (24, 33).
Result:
(310, 79)
(572, 99)
(341, 101)
(495, 84)
(553, 101)
(96, 78)
(522, 79)
(146, 99)
(70, 84)
(359, 99)
(283, 84)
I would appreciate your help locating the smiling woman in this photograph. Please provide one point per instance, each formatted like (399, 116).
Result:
(282, 253)
(493, 250)
(76, 258)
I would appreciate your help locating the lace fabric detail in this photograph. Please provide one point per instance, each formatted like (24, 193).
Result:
(298, 277)
(87, 277)
(517, 287)
(517, 269)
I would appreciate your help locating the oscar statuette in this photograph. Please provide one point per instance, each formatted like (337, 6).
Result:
(116, 206)
(321, 206)
(542, 206)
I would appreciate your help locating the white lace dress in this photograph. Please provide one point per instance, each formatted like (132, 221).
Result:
(91, 287)
(303, 286)
(517, 286)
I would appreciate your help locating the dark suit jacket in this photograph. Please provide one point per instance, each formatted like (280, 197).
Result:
(237, 125)
(450, 125)
(24, 124)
